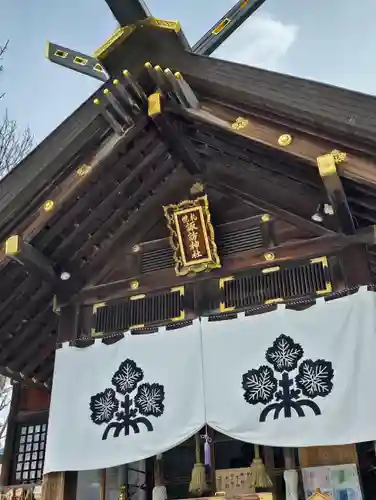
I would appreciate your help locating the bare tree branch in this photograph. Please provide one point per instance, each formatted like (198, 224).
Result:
(3, 48)
(14, 145)
(5, 395)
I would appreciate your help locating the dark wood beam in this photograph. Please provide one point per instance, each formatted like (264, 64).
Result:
(180, 147)
(325, 245)
(251, 195)
(327, 165)
(33, 416)
(299, 144)
(268, 231)
(28, 256)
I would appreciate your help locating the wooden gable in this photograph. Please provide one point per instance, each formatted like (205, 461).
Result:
(95, 189)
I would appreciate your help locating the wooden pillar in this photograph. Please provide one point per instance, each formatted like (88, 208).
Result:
(10, 437)
(59, 486)
(68, 323)
(355, 266)
(315, 456)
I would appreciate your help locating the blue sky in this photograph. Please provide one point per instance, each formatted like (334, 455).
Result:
(331, 41)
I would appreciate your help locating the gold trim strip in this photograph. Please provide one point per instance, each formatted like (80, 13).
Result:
(270, 270)
(327, 289)
(95, 334)
(136, 327)
(221, 26)
(98, 306)
(273, 301)
(12, 245)
(223, 308)
(118, 36)
(137, 297)
(178, 289)
(179, 318)
(222, 281)
(317, 260)
(165, 24)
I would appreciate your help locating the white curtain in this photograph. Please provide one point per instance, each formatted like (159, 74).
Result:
(283, 378)
(121, 403)
(292, 379)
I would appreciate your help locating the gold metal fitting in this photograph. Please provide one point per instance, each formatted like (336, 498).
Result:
(148, 65)
(269, 256)
(96, 101)
(83, 170)
(48, 205)
(134, 285)
(339, 156)
(136, 248)
(197, 187)
(116, 82)
(285, 140)
(265, 218)
(239, 123)
(106, 92)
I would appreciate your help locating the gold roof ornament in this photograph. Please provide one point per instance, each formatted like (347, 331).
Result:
(320, 496)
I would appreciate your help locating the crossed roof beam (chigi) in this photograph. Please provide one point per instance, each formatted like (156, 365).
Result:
(133, 15)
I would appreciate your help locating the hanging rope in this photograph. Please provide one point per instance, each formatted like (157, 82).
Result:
(198, 485)
(258, 476)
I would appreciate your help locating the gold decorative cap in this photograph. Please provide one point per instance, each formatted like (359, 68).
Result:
(285, 140)
(269, 256)
(134, 285)
(48, 205)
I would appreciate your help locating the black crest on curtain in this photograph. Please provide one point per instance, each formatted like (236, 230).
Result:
(290, 383)
(127, 406)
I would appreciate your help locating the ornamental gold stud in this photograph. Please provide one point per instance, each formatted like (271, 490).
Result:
(239, 123)
(338, 156)
(197, 187)
(285, 140)
(134, 285)
(265, 218)
(269, 256)
(48, 205)
(83, 170)
(136, 248)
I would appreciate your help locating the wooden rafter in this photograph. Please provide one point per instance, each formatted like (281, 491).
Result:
(336, 194)
(138, 224)
(180, 147)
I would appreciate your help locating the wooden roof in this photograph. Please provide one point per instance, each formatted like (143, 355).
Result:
(131, 175)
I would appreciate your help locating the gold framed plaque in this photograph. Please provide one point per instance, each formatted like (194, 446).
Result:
(192, 236)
